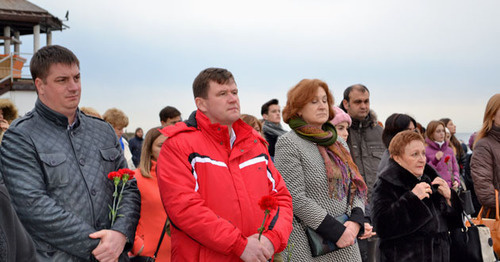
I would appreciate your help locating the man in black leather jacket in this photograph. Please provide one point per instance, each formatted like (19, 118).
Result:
(55, 162)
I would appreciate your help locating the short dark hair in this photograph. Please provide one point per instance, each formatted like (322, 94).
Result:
(201, 82)
(49, 55)
(394, 124)
(168, 112)
(265, 107)
(348, 91)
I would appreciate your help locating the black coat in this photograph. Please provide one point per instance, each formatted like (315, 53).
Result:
(15, 242)
(411, 229)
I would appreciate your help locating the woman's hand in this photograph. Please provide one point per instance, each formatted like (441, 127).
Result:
(368, 232)
(349, 236)
(455, 185)
(4, 125)
(422, 190)
(439, 154)
(443, 188)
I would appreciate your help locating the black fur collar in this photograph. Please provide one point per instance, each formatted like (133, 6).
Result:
(400, 177)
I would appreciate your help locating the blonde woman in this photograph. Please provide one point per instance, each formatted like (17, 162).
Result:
(485, 169)
(119, 121)
(153, 214)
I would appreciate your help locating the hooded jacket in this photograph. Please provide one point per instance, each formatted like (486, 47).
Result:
(485, 169)
(411, 229)
(57, 179)
(365, 143)
(445, 169)
(211, 190)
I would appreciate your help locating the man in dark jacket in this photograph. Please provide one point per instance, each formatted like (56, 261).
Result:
(55, 161)
(272, 128)
(135, 146)
(365, 142)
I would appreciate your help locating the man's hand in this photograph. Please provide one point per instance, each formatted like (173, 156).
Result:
(111, 245)
(265, 242)
(255, 251)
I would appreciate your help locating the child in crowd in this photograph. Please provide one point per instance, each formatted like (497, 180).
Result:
(440, 155)
(342, 121)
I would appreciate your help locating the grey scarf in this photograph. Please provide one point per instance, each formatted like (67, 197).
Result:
(273, 129)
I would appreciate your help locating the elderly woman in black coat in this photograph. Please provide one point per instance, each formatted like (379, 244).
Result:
(413, 208)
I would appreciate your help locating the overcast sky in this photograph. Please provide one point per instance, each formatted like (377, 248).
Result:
(429, 59)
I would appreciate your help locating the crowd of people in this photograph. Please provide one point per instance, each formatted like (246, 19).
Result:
(225, 186)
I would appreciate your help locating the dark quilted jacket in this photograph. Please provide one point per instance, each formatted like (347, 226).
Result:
(57, 179)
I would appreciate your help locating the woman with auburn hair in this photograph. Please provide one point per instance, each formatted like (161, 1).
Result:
(413, 207)
(321, 176)
(153, 214)
(439, 155)
(485, 168)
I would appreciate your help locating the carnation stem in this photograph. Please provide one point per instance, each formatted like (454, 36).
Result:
(113, 211)
(120, 196)
(261, 228)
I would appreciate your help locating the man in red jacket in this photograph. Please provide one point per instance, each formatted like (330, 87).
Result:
(212, 171)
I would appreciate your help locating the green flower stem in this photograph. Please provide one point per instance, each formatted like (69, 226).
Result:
(261, 228)
(120, 196)
(113, 209)
(289, 249)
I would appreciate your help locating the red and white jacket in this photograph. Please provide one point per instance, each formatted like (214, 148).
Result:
(211, 191)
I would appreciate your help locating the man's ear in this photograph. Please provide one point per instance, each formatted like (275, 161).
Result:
(39, 86)
(201, 104)
(265, 116)
(345, 104)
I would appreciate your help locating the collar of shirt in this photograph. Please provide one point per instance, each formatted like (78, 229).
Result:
(72, 125)
(232, 137)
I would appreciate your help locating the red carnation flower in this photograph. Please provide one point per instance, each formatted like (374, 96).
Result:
(268, 203)
(446, 159)
(114, 174)
(124, 171)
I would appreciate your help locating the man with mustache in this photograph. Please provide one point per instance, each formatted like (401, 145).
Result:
(366, 146)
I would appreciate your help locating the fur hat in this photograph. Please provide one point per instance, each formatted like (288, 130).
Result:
(340, 116)
(9, 109)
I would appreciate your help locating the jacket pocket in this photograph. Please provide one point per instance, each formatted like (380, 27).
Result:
(376, 149)
(55, 169)
(110, 154)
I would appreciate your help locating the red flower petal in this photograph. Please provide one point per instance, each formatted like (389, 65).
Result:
(446, 159)
(268, 203)
(114, 174)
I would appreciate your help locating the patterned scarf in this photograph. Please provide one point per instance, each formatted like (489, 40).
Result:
(340, 168)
